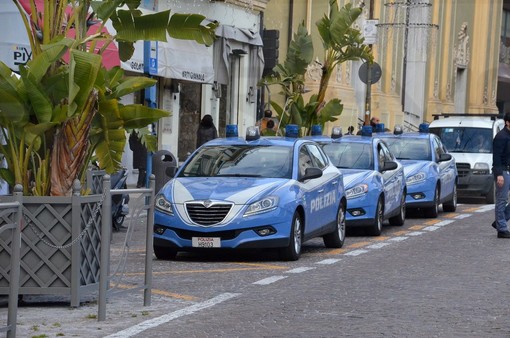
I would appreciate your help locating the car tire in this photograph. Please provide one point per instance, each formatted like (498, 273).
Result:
(293, 250)
(164, 253)
(376, 228)
(401, 217)
(451, 205)
(336, 238)
(117, 222)
(433, 211)
(490, 198)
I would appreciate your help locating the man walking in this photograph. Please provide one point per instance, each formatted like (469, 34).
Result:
(501, 171)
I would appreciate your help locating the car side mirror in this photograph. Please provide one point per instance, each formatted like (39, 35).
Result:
(389, 165)
(311, 173)
(444, 157)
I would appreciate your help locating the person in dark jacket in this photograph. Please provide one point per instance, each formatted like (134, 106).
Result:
(139, 158)
(206, 131)
(501, 170)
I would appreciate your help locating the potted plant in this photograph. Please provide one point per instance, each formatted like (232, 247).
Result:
(64, 108)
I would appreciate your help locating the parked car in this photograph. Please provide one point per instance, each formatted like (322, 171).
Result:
(460, 134)
(373, 178)
(258, 192)
(430, 171)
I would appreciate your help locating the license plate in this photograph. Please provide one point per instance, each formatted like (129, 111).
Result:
(206, 242)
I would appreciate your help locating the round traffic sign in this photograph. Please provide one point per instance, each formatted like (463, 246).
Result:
(375, 71)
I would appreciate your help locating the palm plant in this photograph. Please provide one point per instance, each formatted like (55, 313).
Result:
(341, 42)
(65, 106)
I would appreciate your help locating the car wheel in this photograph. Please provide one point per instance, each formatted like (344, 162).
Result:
(490, 198)
(164, 253)
(292, 252)
(117, 222)
(376, 228)
(433, 211)
(401, 217)
(451, 205)
(336, 238)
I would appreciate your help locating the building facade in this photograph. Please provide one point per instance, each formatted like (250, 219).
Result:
(435, 56)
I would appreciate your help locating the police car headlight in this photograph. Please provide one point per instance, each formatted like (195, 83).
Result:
(264, 205)
(163, 205)
(356, 191)
(416, 178)
(481, 168)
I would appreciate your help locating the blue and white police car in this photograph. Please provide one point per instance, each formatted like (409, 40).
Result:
(373, 179)
(253, 192)
(431, 173)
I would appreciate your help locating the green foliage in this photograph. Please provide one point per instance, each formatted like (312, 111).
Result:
(65, 106)
(341, 42)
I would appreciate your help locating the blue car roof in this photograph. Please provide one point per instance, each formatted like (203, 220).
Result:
(268, 141)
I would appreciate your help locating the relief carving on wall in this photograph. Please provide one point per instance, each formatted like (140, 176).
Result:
(462, 47)
(314, 71)
(436, 90)
(339, 73)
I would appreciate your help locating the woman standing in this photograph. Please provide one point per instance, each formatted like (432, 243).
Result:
(206, 131)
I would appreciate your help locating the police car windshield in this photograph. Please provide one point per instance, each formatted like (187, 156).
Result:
(350, 155)
(410, 149)
(240, 161)
(465, 140)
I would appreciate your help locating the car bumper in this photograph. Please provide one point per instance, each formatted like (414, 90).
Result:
(420, 195)
(471, 184)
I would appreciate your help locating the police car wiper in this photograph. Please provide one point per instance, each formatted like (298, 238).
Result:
(238, 175)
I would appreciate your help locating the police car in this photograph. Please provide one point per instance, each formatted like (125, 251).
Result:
(431, 173)
(253, 192)
(373, 178)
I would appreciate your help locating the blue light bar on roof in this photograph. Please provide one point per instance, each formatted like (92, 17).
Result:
(423, 128)
(231, 130)
(292, 130)
(379, 128)
(316, 130)
(366, 131)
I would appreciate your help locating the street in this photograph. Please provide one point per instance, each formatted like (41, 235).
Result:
(444, 277)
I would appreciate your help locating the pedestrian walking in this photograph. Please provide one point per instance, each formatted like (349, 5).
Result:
(206, 130)
(139, 158)
(350, 130)
(501, 171)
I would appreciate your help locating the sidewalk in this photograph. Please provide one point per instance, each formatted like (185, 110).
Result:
(52, 315)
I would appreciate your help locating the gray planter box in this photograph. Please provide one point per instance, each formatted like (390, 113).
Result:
(60, 246)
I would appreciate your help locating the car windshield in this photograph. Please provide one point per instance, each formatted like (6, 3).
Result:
(465, 140)
(240, 161)
(409, 148)
(350, 155)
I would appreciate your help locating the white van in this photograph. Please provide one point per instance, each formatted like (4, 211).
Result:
(468, 137)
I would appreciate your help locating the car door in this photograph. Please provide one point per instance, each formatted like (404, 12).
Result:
(447, 169)
(392, 179)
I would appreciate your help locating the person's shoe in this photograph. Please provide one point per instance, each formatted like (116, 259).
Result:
(504, 234)
(494, 225)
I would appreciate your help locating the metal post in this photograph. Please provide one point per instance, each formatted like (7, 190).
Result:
(147, 294)
(368, 98)
(404, 64)
(76, 248)
(150, 94)
(106, 227)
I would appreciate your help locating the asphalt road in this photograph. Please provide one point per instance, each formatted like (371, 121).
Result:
(444, 277)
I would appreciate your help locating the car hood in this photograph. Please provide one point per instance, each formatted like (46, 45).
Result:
(355, 176)
(412, 167)
(239, 190)
(473, 158)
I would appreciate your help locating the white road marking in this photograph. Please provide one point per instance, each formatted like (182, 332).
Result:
(415, 233)
(485, 208)
(329, 261)
(443, 223)
(398, 238)
(299, 270)
(432, 228)
(462, 216)
(149, 324)
(269, 280)
(378, 245)
(355, 252)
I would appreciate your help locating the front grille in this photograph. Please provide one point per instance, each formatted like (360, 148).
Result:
(211, 215)
(463, 169)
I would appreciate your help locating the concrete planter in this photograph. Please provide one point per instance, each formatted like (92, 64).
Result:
(60, 246)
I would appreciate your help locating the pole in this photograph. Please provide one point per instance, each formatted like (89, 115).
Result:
(404, 65)
(149, 63)
(368, 97)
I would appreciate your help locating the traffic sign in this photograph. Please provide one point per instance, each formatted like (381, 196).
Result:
(375, 71)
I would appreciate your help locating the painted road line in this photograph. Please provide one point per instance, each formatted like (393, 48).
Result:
(432, 228)
(415, 233)
(381, 238)
(432, 222)
(299, 270)
(416, 227)
(485, 208)
(398, 238)
(357, 245)
(445, 222)
(355, 252)
(336, 252)
(401, 232)
(269, 280)
(329, 261)
(462, 216)
(152, 323)
(473, 209)
(378, 245)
